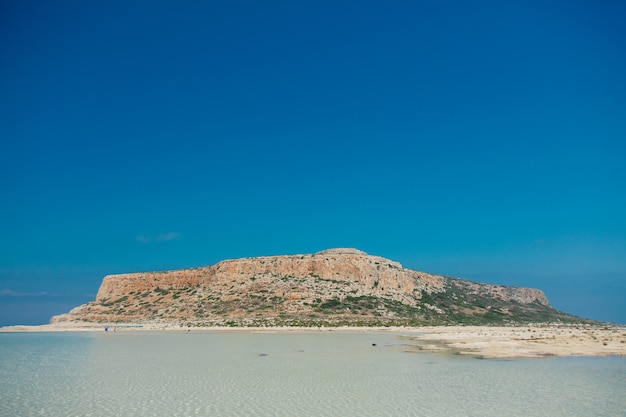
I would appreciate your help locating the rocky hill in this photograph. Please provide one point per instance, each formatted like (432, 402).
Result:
(331, 287)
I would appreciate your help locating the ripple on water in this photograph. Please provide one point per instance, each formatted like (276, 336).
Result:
(304, 374)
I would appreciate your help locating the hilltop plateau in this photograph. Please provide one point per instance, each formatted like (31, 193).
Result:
(331, 287)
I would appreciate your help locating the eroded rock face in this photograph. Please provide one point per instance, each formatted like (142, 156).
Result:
(505, 293)
(122, 284)
(336, 284)
(372, 274)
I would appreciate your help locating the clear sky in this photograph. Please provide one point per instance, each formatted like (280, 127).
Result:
(484, 140)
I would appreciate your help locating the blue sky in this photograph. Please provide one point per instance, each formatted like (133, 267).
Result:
(482, 140)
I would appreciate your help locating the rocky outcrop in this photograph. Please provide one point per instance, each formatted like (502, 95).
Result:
(505, 293)
(331, 286)
(372, 275)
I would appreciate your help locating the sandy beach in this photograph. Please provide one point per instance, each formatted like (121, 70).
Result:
(525, 342)
(533, 341)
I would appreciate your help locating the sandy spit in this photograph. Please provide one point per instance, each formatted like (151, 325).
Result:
(532, 341)
(525, 341)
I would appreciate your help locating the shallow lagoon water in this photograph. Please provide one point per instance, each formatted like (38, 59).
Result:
(289, 374)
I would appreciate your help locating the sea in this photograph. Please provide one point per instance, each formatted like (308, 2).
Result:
(327, 373)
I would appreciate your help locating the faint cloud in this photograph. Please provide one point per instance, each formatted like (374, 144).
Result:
(167, 236)
(164, 237)
(143, 239)
(10, 293)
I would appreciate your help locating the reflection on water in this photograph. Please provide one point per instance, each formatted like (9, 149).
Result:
(288, 374)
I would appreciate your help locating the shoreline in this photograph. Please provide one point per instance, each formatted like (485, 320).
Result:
(537, 341)
(528, 341)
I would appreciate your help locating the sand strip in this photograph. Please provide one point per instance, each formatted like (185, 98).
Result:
(533, 341)
(524, 342)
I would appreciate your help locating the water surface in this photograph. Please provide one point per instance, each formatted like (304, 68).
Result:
(289, 374)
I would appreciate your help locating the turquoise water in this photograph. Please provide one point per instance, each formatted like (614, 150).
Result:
(289, 374)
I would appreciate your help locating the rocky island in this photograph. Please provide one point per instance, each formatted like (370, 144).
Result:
(335, 287)
(342, 290)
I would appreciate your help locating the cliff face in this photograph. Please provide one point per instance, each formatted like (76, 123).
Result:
(332, 286)
(371, 275)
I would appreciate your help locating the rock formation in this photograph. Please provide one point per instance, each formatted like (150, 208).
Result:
(331, 287)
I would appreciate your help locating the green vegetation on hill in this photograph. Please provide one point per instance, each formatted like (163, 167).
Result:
(341, 288)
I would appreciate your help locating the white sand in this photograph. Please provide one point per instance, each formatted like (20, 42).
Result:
(526, 341)
(479, 341)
